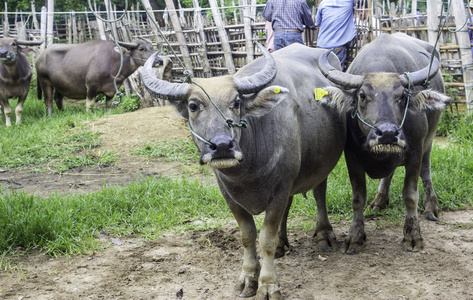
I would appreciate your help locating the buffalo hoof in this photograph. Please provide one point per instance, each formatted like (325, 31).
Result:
(354, 245)
(411, 245)
(412, 236)
(326, 241)
(431, 217)
(269, 291)
(246, 287)
(379, 202)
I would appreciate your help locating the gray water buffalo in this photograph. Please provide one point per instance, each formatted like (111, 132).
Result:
(15, 75)
(81, 71)
(391, 119)
(267, 139)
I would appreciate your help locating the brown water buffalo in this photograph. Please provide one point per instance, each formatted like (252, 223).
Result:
(15, 75)
(81, 71)
(267, 139)
(391, 119)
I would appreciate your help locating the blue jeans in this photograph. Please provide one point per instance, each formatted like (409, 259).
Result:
(285, 38)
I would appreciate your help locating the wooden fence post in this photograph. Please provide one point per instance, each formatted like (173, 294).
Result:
(227, 50)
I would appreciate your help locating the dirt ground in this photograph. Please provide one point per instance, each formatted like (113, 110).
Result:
(206, 264)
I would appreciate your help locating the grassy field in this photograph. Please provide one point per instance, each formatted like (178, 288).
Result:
(69, 224)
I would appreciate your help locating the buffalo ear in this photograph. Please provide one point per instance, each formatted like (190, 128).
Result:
(121, 49)
(266, 100)
(431, 100)
(338, 99)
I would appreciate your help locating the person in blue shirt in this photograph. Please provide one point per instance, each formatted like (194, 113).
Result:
(288, 18)
(336, 27)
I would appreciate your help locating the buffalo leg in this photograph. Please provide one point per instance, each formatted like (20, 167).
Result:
(381, 199)
(48, 97)
(19, 108)
(268, 285)
(108, 102)
(356, 236)
(248, 281)
(324, 236)
(7, 111)
(431, 202)
(412, 236)
(91, 95)
(59, 99)
(283, 241)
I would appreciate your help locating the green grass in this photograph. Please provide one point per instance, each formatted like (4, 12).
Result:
(174, 149)
(70, 224)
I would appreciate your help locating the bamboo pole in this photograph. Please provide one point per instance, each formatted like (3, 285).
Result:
(179, 35)
(246, 15)
(44, 20)
(465, 50)
(50, 24)
(75, 37)
(35, 20)
(432, 20)
(223, 37)
(202, 51)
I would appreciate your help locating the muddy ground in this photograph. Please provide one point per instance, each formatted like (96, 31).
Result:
(206, 264)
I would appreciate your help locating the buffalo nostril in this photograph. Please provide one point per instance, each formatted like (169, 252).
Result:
(213, 147)
(231, 145)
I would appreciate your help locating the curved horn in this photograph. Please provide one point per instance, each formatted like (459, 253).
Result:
(131, 45)
(29, 43)
(164, 89)
(336, 76)
(419, 77)
(254, 83)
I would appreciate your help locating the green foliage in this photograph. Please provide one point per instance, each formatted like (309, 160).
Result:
(130, 103)
(457, 126)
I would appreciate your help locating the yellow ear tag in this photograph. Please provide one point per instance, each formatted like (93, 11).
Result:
(277, 90)
(319, 93)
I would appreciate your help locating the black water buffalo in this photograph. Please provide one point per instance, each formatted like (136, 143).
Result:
(15, 75)
(290, 146)
(81, 71)
(392, 118)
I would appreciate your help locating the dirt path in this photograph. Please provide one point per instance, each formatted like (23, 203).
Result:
(205, 265)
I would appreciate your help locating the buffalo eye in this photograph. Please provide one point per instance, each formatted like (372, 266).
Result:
(402, 100)
(362, 96)
(237, 104)
(193, 107)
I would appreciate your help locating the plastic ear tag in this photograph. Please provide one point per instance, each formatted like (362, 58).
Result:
(277, 90)
(319, 93)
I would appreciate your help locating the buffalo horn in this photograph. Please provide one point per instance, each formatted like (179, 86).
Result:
(336, 76)
(29, 43)
(164, 89)
(420, 76)
(131, 45)
(254, 83)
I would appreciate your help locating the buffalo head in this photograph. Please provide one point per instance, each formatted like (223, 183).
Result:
(11, 48)
(139, 51)
(216, 108)
(382, 101)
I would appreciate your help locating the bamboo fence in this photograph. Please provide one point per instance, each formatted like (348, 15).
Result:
(219, 40)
